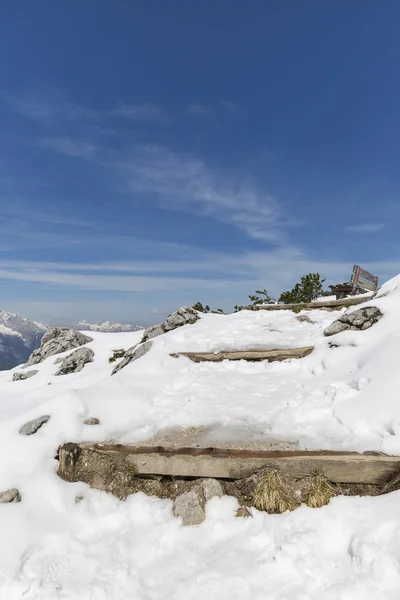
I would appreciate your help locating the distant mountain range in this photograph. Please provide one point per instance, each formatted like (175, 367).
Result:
(18, 338)
(105, 327)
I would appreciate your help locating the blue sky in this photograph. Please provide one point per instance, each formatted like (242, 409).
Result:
(153, 154)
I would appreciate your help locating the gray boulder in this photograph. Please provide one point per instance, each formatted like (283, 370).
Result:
(33, 426)
(55, 341)
(360, 319)
(22, 376)
(10, 496)
(75, 362)
(190, 506)
(186, 315)
(133, 354)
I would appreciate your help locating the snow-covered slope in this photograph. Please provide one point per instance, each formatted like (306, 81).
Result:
(18, 338)
(342, 396)
(106, 327)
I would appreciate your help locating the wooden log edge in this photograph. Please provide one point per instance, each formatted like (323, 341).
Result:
(249, 355)
(310, 305)
(225, 463)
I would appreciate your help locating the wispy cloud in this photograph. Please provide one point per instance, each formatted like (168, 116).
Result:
(70, 147)
(48, 106)
(366, 227)
(199, 110)
(140, 113)
(182, 182)
(230, 107)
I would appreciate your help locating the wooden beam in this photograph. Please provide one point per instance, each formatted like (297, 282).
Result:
(251, 355)
(339, 467)
(310, 305)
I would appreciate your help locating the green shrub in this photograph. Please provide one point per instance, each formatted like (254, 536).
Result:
(309, 288)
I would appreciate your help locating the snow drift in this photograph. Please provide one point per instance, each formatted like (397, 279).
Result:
(345, 395)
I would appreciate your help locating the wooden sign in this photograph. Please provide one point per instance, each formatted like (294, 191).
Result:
(361, 278)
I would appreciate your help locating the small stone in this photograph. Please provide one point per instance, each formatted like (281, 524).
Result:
(33, 426)
(243, 512)
(22, 376)
(92, 421)
(211, 487)
(9, 496)
(304, 319)
(190, 507)
(78, 499)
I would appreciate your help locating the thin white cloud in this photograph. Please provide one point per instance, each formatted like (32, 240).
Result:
(48, 106)
(366, 227)
(199, 110)
(230, 107)
(71, 147)
(182, 182)
(275, 270)
(140, 113)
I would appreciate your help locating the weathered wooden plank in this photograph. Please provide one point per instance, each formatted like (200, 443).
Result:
(251, 355)
(309, 305)
(339, 467)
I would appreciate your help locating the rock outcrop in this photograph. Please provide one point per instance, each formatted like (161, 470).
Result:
(190, 506)
(75, 362)
(360, 319)
(55, 341)
(33, 426)
(22, 376)
(10, 496)
(185, 315)
(133, 354)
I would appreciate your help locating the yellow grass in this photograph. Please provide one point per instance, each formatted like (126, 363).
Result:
(274, 493)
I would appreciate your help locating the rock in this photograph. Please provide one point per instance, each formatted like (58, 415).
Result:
(360, 319)
(92, 421)
(304, 319)
(191, 505)
(10, 496)
(32, 427)
(55, 341)
(243, 512)
(185, 315)
(133, 354)
(59, 360)
(22, 376)
(76, 361)
(153, 331)
(211, 488)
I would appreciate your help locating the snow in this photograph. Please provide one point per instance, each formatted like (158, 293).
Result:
(344, 397)
(7, 331)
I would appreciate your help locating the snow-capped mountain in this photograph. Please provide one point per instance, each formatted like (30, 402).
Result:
(106, 327)
(18, 338)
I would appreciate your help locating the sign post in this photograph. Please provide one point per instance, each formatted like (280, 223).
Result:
(361, 278)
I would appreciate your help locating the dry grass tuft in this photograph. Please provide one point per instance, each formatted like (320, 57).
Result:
(319, 491)
(274, 493)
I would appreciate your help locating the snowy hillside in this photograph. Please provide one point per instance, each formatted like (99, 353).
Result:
(106, 327)
(18, 338)
(344, 395)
